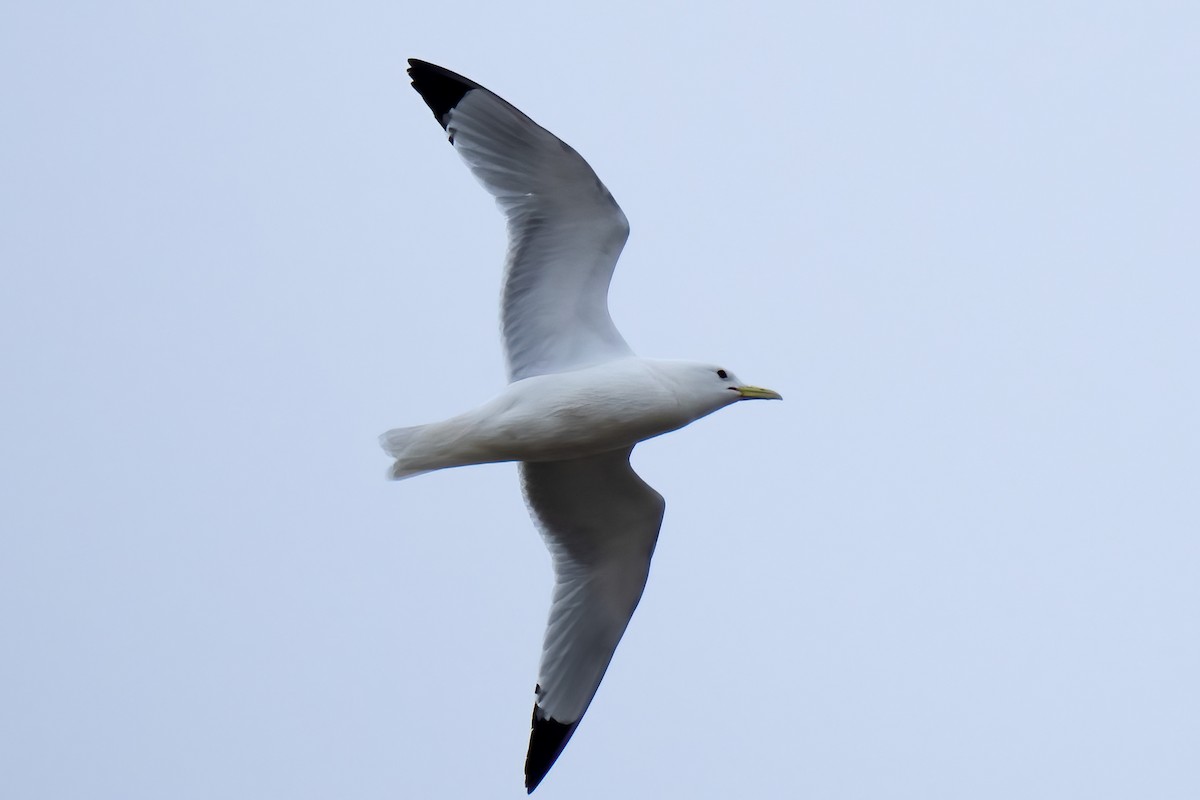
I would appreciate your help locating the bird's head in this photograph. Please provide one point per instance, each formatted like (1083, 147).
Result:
(711, 386)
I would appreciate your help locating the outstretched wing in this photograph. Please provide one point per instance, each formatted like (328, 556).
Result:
(565, 231)
(600, 522)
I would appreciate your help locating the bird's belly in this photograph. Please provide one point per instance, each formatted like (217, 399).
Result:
(580, 425)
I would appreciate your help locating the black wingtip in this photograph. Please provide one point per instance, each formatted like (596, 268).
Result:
(440, 88)
(546, 743)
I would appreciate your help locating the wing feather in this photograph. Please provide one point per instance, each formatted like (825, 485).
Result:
(600, 522)
(565, 230)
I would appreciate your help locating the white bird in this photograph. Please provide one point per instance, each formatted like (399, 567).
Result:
(578, 401)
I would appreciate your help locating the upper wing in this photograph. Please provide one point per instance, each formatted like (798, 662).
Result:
(565, 231)
(600, 522)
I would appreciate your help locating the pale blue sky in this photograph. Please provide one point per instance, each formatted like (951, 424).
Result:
(959, 561)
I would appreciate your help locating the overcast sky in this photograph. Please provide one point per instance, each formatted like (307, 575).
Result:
(960, 560)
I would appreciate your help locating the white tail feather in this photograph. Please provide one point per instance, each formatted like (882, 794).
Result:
(398, 472)
(424, 448)
(396, 443)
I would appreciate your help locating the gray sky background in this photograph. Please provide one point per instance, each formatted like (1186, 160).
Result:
(960, 559)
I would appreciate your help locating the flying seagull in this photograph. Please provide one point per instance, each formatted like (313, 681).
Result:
(578, 400)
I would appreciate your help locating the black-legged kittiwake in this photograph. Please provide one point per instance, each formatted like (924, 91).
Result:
(578, 402)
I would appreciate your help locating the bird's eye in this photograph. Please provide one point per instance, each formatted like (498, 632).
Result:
(722, 374)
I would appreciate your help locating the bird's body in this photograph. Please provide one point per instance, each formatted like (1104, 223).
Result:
(579, 399)
(565, 415)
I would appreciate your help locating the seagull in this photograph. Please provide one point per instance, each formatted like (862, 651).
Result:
(578, 398)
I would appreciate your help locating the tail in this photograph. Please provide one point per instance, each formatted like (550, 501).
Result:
(396, 443)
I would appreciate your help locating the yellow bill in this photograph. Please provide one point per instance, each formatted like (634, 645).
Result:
(758, 393)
